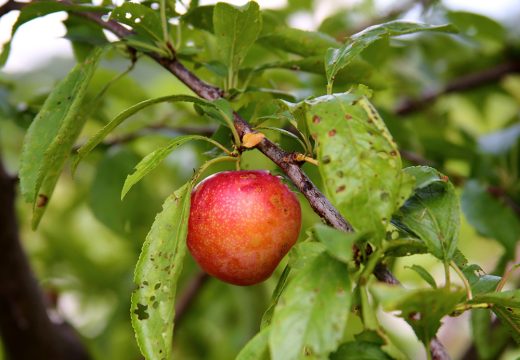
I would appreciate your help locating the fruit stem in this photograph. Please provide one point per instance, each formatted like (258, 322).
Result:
(208, 163)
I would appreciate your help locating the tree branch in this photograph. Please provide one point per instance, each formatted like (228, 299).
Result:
(319, 203)
(10, 6)
(464, 83)
(437, 350)
(25, 328)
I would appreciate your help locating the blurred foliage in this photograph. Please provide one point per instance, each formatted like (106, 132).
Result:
(86, 247)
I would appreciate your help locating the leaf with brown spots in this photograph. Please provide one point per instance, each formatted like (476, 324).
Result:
(423, 309)
(52, 133)
(506, 306)
(359, 161)
(432, 213)
(156, 275)
(312, 312)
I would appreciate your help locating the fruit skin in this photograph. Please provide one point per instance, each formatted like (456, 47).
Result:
(242, 223)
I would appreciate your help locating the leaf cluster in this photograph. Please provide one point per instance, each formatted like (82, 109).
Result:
(413, 187)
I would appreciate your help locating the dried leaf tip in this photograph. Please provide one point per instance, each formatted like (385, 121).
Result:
(250, 140)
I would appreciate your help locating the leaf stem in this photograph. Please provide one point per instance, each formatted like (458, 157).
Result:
(286, 133)
(329, 88)
(142, 45)
(447, 278)
(370, 266)
(428, 354)
(464, 307)
(164, 23)
(310, 160)
(231, 126)
(467, 286)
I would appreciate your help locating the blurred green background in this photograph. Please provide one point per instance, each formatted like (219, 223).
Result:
(89, 240)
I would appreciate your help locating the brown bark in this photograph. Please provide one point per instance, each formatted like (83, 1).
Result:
(25, 328)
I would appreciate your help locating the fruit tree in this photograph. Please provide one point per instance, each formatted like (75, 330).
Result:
(260, 180)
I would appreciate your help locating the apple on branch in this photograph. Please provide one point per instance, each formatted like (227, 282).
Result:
(242, 223)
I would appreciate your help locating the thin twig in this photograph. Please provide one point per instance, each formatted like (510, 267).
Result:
(464, 83)
(10, 6)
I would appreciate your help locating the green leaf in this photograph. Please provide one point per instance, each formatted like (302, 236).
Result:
(489, 216)
(132, 217)
(50, 137)
(312, 312)
(424, 274)
(489, 339)
(368, 312)
(38, 9)
(509, 298)
(257, 348)
(338, 58)
(511, 318)
(423, 309)
(480, 284)
(432, 214)
(277, 293)
(156, 276)
(296, 41)
(360, 350)
(303, 253)
(145, 21)
(484, 284)
(122, 116)
(477, 26)
(506, 306)
(338, 243)
(425, 176)
(236, 29)
(358, 159)
(405, 247)
(152, 160)
(358, 71)
(200, 17)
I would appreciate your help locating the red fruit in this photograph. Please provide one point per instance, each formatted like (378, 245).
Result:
(242, 223)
